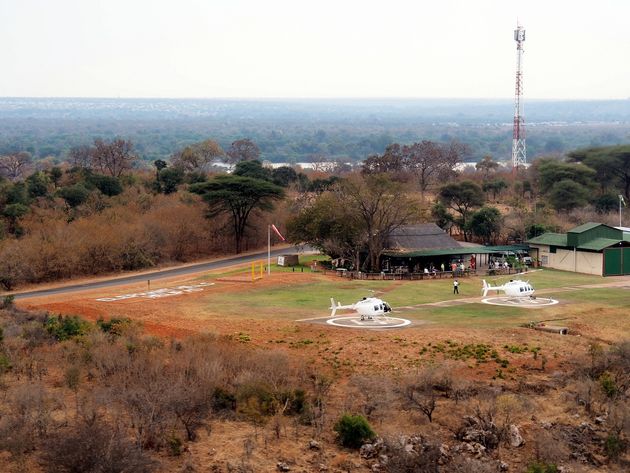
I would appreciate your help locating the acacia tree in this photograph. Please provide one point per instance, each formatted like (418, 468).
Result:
(237, 196)
(611, 164)
(381, 205)
(495, 186)
(486, 166)
(462, 197)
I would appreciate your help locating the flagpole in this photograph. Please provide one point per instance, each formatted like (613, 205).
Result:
(620, 200)
(269, 249)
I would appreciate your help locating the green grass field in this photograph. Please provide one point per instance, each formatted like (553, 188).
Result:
(305, 299)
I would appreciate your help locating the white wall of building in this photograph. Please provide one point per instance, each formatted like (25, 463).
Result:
(567, 260)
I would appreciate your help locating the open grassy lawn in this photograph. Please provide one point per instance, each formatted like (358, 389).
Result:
(310, 297)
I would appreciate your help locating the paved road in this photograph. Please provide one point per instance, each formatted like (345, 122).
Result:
(159, 274)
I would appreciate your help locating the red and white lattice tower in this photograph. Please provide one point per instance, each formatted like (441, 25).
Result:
(519, 153)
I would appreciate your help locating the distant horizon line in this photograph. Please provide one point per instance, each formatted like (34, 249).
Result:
(307, 98)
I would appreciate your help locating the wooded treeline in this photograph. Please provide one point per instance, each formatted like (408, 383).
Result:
(98, 214)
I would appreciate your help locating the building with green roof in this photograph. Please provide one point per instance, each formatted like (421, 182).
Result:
(592, 248)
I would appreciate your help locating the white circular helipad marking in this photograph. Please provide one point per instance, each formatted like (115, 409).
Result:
(377, 322)
(525, 302)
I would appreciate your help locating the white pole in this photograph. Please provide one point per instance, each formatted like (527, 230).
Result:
(620, 199)
(268, 249)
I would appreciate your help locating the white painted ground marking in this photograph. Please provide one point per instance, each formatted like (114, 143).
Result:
(159, 293)
(526, 303)
(356, 322)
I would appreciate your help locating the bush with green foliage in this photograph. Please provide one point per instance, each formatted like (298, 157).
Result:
(353, 431)
(535, 229)
(64, 328)
(613, 446)
(223, 400)
(606, 203)
(108, 185)
(541, 467)
(7, 302)
(170, 178)
(74, 195)
(114, 326)
(607, 382)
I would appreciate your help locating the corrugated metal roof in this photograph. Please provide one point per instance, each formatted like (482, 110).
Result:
(555, 239)
(598, 244)
(420, 237)
(584, 227)
(478, 250)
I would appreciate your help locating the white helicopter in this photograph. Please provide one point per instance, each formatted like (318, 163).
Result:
(514, 288)
(367, 308)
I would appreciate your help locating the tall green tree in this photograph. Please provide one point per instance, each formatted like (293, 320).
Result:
(552, 171)
(284, 176)
(567, 195)
(253, 168)
(486, 223)
(462, 197)
(611, 165)
(495, 186)
(330, 226)
(237, 196)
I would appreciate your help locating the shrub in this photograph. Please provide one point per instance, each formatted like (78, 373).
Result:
(94, 447)
(74, 195)
(608, 384)
(5, 364)
(223, 400)
(114, 326)
(542, 467)
(108, 185)
(64, 328)
(255, 401)
(174, 446)
(353, 431)
(7, 302)
(613, 446)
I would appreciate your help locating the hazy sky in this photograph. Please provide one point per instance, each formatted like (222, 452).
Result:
(324, 48)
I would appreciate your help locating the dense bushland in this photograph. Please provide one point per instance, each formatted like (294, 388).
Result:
(107, 397)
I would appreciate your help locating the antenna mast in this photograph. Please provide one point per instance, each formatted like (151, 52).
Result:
(519, 155)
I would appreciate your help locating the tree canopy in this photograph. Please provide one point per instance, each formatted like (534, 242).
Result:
(611, 165)
(237, 196)
(359, 213)
(486, 223)
(462, 197)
